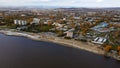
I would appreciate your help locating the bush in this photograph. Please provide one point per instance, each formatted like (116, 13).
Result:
(67, 37)
(83, 40)
(12, 26)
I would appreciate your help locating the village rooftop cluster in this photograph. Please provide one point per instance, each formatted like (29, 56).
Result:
(98, 26)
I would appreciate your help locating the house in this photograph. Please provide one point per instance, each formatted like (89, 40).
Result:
(35, 21)
(45, 22)
(81, 38)
(58, 24)
(102, 27)
(23, 15)
(76, 17)
(20, 22)
(115, 23)
(48, 22)
(64, 19)
(70, 33)
(99, 40)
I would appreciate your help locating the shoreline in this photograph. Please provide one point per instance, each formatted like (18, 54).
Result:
(87, 46)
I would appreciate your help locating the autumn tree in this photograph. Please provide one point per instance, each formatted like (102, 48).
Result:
(107, 48)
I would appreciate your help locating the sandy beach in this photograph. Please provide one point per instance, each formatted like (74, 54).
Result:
(69, 43)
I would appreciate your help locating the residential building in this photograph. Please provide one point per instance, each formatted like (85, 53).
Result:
(99, 40)
(35, 21)
(20, 22)
(69, 34)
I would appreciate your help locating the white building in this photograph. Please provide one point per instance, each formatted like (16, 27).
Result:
(58, 24)
(76, 17)
(69, 34)
(47, 21)
(20, 22)
(15, 22)
(35, 21)
(64, 19)
(99, 40)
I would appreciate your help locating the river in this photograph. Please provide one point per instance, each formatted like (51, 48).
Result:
(21, 52)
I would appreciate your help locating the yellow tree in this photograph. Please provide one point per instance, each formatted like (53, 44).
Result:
(107, 48)
(118, 50)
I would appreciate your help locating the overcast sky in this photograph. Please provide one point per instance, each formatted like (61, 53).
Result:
(66, 3)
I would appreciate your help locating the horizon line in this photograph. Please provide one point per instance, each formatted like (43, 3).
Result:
(55, 7)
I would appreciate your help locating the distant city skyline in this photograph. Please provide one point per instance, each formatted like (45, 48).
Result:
(61, 3)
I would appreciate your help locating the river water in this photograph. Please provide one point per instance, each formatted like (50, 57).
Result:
(21, 52)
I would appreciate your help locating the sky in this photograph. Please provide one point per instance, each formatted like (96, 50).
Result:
(62, 3)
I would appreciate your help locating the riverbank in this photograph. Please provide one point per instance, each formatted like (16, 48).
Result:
(69, 43)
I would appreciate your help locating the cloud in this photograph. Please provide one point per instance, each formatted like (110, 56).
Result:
(22, 2)
(99, 0)
(36, 0)
(17, 1)
(66, 3)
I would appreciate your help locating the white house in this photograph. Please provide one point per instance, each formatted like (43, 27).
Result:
(58, 24)
(69, 34)
(47, 21)
(35, 21)
(64, 19)
(76, 17)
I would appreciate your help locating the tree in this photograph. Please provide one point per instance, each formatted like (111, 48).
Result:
(118, 50)
(107, 48)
